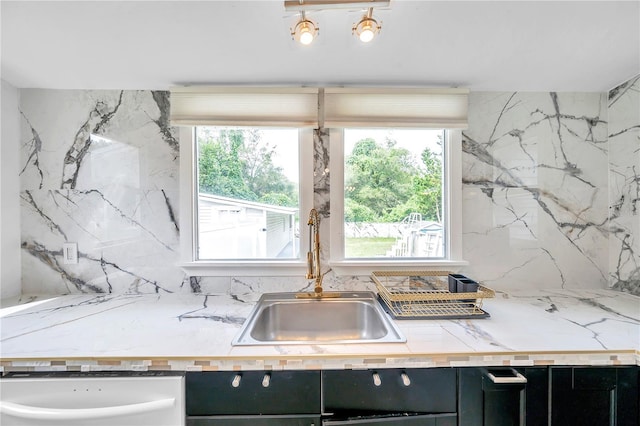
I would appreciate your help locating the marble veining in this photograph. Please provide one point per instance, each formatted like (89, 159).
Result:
(584, 327)
(532, 199)
(201, 313)
(32, 146)
(624, 177)
(100, 168)
(168, 134)
(96, 123)
(321, 172)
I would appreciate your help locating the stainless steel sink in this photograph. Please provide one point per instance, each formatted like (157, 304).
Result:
(282, 318)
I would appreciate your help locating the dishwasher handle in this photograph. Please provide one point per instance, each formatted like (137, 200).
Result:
(44, 413)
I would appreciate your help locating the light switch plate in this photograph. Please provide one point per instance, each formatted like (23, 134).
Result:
(70, 253)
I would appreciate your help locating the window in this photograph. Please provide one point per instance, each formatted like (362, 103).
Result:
(247, 187)
(393, 193)
(248, 193)
(392, 201)
(232, 226)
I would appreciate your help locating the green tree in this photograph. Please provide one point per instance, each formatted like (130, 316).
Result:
(237, 163)
(278, 199)
(220, 170)
(380, 177)
(355, 212)
(384, 183)
(427, 187)
(262, 176)
(426, 193)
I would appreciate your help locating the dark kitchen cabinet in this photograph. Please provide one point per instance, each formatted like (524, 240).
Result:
(253, 420)
(395, 397)
(397, 420)
(500, 396)
(473, 396)
(260, 398)
(597, 396)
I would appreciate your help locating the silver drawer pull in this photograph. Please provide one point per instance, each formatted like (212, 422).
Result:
(405, 379)
(236, 381)
(265, 380)
(499, 376)
(376, 379)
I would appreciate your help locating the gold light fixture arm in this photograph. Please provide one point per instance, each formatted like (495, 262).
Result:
(295, 5)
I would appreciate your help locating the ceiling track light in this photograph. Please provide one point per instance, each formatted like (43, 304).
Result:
(305, 30)
(367, 28)
(297, 5)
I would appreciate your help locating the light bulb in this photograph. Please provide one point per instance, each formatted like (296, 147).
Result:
(366, 29)
(306, 37)
(305, 31)
(367, 34)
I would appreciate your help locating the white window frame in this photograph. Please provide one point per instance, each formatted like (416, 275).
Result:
(453, 220)
(188, 216)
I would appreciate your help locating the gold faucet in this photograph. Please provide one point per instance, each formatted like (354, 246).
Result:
(313, 259)
(313, 255)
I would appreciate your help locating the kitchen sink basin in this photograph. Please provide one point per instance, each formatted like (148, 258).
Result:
(285, 318)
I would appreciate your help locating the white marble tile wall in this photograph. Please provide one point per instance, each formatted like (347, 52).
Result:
(535, 197)
(535, 194)
(624, 186)
(98, 168)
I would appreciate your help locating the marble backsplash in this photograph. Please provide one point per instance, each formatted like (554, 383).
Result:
(535, 196)
(624, 186)
(100, 168)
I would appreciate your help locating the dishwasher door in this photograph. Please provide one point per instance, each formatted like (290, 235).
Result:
(92, 401)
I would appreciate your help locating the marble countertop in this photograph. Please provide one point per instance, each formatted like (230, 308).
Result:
(194, 332)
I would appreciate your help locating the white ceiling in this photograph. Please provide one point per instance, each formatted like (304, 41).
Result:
(482, 45)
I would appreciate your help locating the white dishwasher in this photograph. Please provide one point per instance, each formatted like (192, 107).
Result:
(92, 399)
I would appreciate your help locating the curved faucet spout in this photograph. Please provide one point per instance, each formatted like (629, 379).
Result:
(313, 261)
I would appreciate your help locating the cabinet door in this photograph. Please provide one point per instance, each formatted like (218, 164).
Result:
(628, 396)
(429, 390)
(220, 393)
(502, 396)
(594, 396)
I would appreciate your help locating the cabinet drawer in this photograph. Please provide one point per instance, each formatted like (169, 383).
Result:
(254, 421)
(252, 392)
(430, 390)
(419, 420)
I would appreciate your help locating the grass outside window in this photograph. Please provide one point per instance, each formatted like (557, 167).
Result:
(368, 247)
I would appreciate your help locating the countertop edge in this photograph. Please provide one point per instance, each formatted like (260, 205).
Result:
(630, 357)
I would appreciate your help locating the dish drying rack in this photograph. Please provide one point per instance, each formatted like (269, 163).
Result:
(425, 295)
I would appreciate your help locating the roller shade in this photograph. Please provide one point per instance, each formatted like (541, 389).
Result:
(244, 106)
(360, 107)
